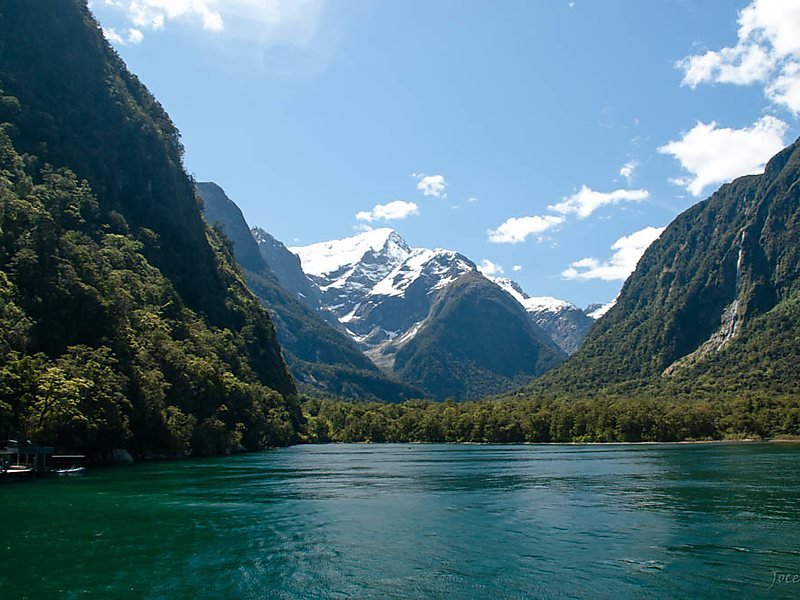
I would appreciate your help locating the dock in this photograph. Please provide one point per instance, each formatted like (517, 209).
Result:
(23, 459)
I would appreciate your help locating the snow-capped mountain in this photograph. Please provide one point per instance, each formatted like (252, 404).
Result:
(381, 290)
(562, 321)
(378, 286)
(403, 308)
(345, 271)
(596, 311)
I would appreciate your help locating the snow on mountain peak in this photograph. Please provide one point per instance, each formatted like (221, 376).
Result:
(329, 257)
(512, 287)
(532, 304)
(546, 304)
(443, 265)
(598, 312)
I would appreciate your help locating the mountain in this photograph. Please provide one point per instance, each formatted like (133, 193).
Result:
(563, 322)
(287, 268)
(345, 271)
(125, 322)
(377, 286)
(386, 293)
(322, 359)
(713, 305)
(476, 341)
(595, 311)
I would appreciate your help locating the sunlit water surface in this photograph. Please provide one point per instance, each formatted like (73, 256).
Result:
(415, 521)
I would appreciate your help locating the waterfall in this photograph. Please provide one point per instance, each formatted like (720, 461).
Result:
(730, 316)
(730, 323)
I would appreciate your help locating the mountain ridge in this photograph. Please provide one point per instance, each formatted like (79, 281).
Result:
(323, 360)
(385, 293)
(708, 299)
(134, 326)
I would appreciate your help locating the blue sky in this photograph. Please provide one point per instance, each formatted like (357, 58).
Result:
(552, 139)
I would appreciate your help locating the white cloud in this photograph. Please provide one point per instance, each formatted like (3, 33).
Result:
(398, 209)
(516, 268)
(431, 185)
(767, 51)
(490, 269)
(713, 155)
(741, 65)
(113, 36)
(582, 204)
(586, 201)
(517, 229)
(268, 21)
(627, 252)
(627, 170)
(785, 88)
(135, 36)
(132, 36)
(472, 199)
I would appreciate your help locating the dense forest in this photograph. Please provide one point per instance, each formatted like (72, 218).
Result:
(713, 305)
(124, 320)
(621, 419)
(323, 360)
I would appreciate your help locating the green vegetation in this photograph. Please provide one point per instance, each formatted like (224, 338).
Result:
(566, 420)
(476, 341)
(124, 321)
(728, 264)
(323, 360)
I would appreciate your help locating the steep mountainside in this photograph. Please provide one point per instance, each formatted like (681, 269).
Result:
(322, 359)
(345, 271)
(384, 292)
(713, 303)
(287, 268)
(476, 341)
(563, 322)
(125, 322)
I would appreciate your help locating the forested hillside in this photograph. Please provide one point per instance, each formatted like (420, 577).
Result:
(476, 341)
(323, 360)
(125, 321)
(713, 305)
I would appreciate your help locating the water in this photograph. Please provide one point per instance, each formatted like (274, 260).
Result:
(430, 521)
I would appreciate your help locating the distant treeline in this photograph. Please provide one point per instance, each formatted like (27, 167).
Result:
(533, 420)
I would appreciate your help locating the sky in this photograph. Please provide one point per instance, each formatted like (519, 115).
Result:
(550, 141)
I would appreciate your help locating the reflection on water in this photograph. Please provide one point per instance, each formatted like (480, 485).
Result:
(403, 521)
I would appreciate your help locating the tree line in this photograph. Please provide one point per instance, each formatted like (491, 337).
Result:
(542, 420)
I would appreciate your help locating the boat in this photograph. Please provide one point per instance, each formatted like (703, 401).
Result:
(22, 458)
(15, 472)
(69, 471)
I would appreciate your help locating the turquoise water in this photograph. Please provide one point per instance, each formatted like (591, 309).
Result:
(421, 521)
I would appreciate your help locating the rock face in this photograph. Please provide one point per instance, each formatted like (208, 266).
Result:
(386, 294)
(121, 457)
(286, 267)
(322, 359)
(476, 341)
(714, 303)
(563, 322)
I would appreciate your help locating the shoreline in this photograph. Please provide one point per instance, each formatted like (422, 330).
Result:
(645, 443)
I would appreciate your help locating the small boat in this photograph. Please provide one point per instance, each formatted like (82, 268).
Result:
(69, 471)
(16, 472)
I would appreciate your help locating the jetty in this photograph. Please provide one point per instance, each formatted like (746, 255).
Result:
(22, 459)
